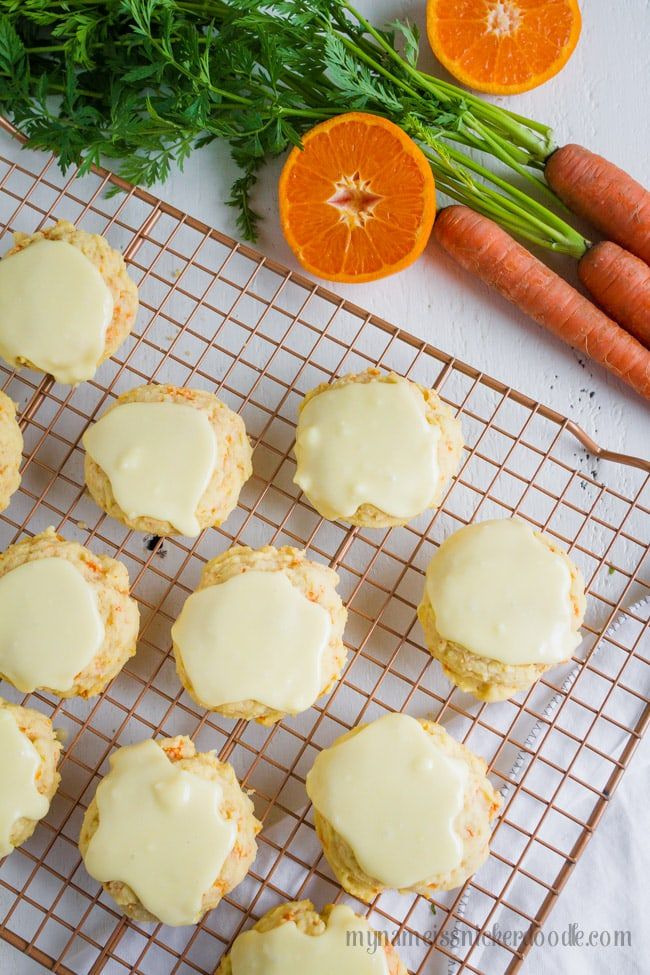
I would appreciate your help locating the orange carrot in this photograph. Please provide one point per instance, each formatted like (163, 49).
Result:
(482, 247)
(603, 194)
(620, 283)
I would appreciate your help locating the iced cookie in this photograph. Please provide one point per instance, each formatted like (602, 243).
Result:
(66, 302)
(11, 448)
(294, 939)
(167, 460)
(29, 753)
(399, 803)
(375, 450)
(502, 604)
(67, 622)
(262, 637)
(169, 832)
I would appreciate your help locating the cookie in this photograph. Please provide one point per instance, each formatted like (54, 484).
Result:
(502, 604)
(167, 460)
(169, 831)
(375, 450)
(295, 939)
(66, 302)
(11, 449)
(67, 622)
(262, 636)
(29, 754)
(399, 804)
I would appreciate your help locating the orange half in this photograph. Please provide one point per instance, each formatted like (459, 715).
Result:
(358, 201)
(503, 46)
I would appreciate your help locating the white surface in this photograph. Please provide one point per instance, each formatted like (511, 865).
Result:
(600, 100)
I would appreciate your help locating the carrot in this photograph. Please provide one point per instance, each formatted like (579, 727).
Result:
(603, 194)
(480, 246)
(620, 283)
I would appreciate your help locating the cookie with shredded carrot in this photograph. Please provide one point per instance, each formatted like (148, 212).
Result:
(375, 449)
(400, 804)
(67, 621)
(502, 604)
(187, 459)
(297, 931)
(29, 754)
(262, 636)
(55, 279)
(169, 831)
(11, 448)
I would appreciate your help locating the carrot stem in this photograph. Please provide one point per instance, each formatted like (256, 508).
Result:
(519, 212)
(446, 91)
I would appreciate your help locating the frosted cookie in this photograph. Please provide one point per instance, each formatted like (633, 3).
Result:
(11, 449)
(66, 302)
(262, 636)
(375, 449)
(294, 939)
(29, 753)
(502, 603)
(169, 831)
(67, 622)
(167, 460)
(398, 803)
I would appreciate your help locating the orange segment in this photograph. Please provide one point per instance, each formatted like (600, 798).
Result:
(503, 46)
(358, 201)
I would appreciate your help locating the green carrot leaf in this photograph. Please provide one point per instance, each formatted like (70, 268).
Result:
(411, 37)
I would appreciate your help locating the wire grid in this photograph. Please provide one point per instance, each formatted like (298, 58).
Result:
(219, 316)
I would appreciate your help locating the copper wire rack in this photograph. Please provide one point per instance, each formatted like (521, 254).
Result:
(218, 315)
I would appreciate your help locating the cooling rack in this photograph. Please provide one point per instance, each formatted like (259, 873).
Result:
(218, 315)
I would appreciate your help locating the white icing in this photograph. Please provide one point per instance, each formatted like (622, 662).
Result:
(254, 637)
(394, 796)
(368, 443)
(55, 308)
(50, 624)
(161, 831)
(348, 946)
(497, 590)
(19, 765)
(159, 458)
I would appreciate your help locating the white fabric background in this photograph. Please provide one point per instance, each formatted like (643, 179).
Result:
(600, 100)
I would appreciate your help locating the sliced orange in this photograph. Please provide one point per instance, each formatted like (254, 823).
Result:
(358, 201)
(503, 46)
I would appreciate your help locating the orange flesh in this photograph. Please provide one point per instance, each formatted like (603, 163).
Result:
(503, 46)
(358, 201)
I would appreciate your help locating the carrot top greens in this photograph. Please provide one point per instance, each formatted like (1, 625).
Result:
(145, 82)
